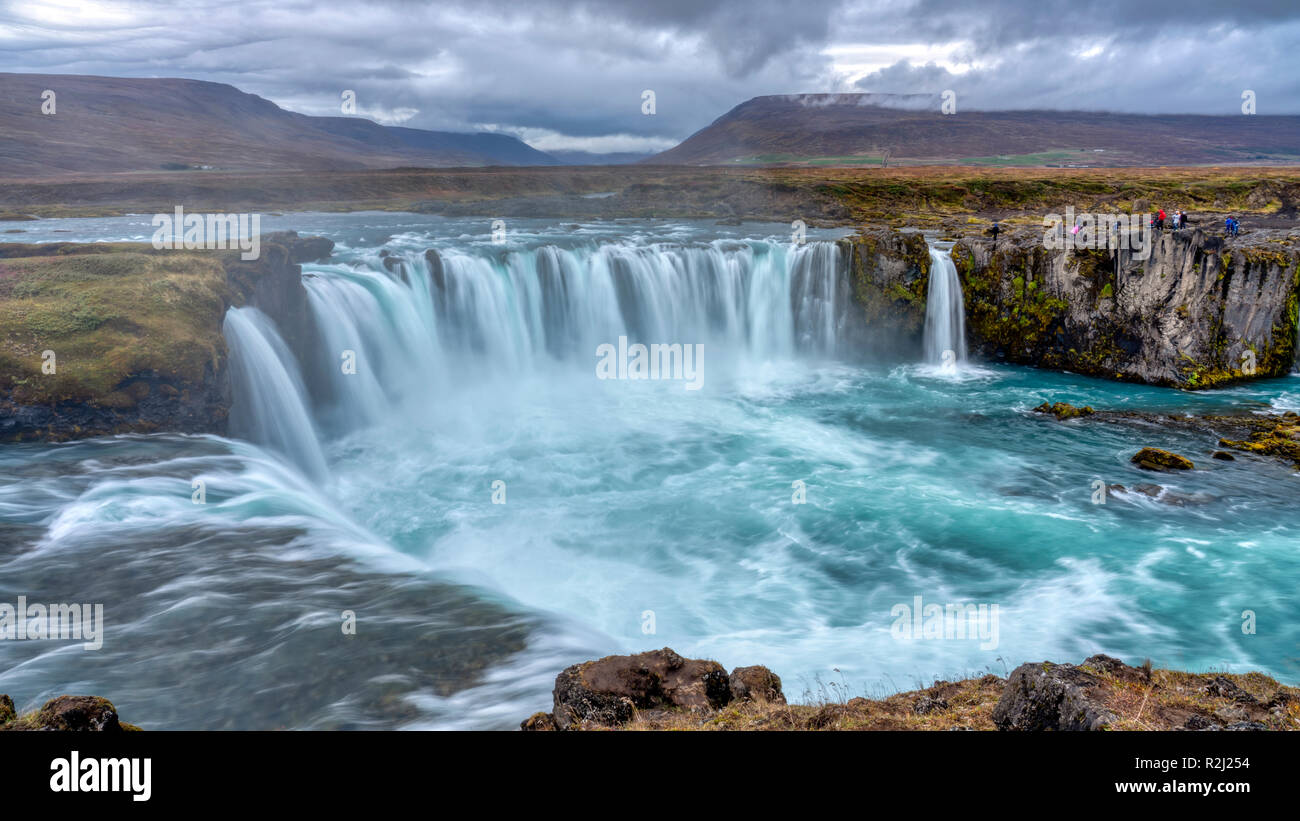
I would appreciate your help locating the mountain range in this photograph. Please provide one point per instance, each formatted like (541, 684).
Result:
(111, 125)
(865, 129)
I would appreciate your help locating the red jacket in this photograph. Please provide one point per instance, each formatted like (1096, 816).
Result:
(1161, 215)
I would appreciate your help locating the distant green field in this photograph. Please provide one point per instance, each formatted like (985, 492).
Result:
(774, 159)
(1042, 158)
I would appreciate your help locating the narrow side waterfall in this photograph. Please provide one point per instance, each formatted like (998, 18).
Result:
(945, 312)
(270, 402)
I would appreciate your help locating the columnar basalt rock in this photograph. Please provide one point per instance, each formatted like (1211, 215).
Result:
(1197, 311)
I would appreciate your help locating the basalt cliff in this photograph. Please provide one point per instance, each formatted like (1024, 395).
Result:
(1197, 311)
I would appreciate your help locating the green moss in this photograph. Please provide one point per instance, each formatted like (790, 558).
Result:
(108, 314)
(898, 304)
(1157, 459)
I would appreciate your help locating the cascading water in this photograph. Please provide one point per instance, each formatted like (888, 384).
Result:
(476, 364)
(434, 321)
(270, 402)
(945, 312)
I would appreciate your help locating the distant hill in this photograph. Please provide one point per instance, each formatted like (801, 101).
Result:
(859, 129)
(104, 124)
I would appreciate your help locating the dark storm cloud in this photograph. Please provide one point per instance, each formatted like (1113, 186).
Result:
(570, 73)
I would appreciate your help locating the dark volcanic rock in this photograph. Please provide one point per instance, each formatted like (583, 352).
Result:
(929, 705)
(1252, 726)
(78, 713)
(1200, 722)
(1047, 696)
(1226, 688)
(303, 249)
(756, 683)
(610, 690)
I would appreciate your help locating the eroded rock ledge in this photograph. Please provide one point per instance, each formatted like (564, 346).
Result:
(661, 690)
(1199, 311)
(135, 332)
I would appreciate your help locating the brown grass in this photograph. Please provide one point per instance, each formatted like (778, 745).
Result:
(1141, 698)
(840, 195)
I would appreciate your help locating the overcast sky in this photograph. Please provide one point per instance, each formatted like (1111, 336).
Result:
(567, 74)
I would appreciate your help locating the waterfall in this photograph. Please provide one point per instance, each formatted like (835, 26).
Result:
(270, 404)
(945, 312)
(427, 324)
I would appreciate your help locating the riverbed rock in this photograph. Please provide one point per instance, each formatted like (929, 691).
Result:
(1162, 460)
(1278, 437)
(610, 690)
(1064, 410)
(1047, 696)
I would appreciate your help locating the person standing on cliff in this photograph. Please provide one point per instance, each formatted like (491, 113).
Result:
(994, 231)
(1160, 220)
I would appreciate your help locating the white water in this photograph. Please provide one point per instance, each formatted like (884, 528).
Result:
(623, 497)
(423, 333)
(945, 316)
(270, 400)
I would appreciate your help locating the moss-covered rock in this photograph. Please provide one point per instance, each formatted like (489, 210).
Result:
(1064, 410)
(101, 338)
(1157, 459)
(890, 275)
(1279, 438)
(66, 714)
(1197, 312)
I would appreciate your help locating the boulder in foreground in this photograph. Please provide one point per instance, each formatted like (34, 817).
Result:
(65, 714)
(1047, 696)
(610, 691)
